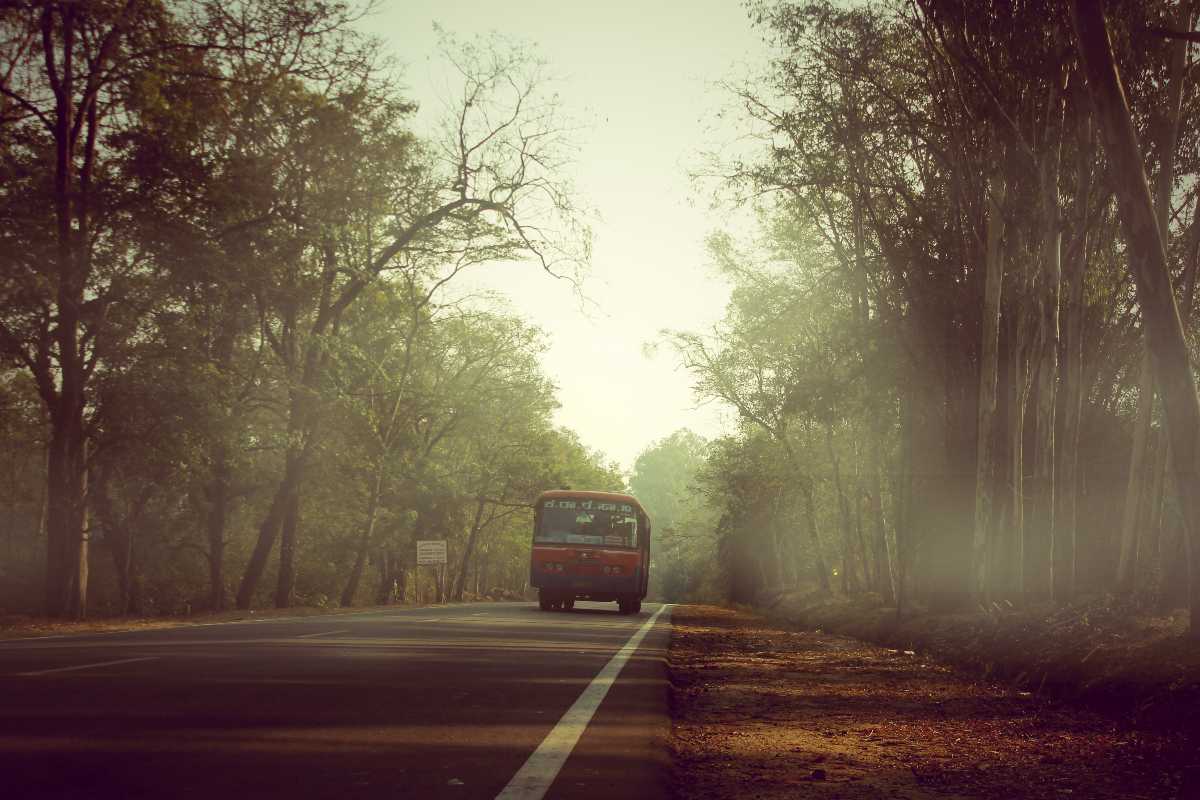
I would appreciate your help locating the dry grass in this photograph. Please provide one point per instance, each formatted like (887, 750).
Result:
(1094, 651)
(21, 627)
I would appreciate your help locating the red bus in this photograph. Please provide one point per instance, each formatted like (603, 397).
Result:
(590, 546)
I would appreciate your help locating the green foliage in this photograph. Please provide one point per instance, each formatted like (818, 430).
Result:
(664, 480)
(898, 433)
(257, 244)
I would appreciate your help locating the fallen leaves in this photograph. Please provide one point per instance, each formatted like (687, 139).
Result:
(757, 707)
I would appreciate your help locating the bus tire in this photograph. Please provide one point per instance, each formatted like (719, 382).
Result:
(637, 606)
(543, 601)
(624, 606)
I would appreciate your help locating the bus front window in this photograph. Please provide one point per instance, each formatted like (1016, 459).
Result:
(587, 522)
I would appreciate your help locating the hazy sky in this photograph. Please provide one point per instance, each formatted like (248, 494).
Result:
(638, 75)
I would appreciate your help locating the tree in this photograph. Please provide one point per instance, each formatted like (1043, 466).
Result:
(1164, 329)
(943, 154)
(663, 480)
(81, 82)
(480, 197)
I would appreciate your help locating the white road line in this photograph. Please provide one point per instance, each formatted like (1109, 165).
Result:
(533, 779)
(84, 666)
(322, 633)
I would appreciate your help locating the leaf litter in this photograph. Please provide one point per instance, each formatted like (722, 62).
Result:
(763, 711)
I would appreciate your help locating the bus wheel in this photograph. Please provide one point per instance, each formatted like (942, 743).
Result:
(624, 606)
(637, 606)
(543, 601)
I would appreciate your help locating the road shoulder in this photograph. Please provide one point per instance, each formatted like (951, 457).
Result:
(18, 627)
(762, 710)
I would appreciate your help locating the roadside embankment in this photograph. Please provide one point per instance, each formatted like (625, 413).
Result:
(21, 626)
(18, 626)
(764, 710)
(1095, 651)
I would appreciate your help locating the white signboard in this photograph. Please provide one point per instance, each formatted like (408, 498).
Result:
(431, 551)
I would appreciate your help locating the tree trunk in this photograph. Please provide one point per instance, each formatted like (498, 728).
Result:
(65, 520)
(1039, 528)
(1017, 409)
(399, 581)
(364, 541)
(941, 513)
(117, 537)
(218, 516)
(469, 550)
(289, 532)
(810, 514)
(384, 593)
(883, 571)
(903, 495)
(80, 588)
(869, 576)
(986, 483)
(1040, 525)
(1148, 260)
(1170, 541)
(123, 561)
(74, 132)
(1134, 493)
(77, 79)
(283, 516)
(1151, 541)
(1166, 134)
(268, 532)
(849, 568)
(219, 489)
(1066, 554)
(66, 580)
(1074, 386)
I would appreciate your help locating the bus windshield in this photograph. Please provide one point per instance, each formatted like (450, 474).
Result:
(590, 522)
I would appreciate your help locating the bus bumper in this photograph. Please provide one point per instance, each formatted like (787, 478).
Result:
(597, 587)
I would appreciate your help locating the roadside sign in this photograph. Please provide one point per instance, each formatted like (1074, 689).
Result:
(431, 551)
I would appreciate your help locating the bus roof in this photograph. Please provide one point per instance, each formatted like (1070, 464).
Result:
(614, 497)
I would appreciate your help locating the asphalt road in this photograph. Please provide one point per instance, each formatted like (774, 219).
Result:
(410, 703)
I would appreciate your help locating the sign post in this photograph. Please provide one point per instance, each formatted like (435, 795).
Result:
(431, 552)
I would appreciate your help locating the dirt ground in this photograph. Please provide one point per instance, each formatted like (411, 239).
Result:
(762, 711)
(1106, 652)
(22, 627)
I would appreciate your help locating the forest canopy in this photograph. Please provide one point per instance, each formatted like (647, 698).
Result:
(232, 366)
(235, 366)
(960, 338)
